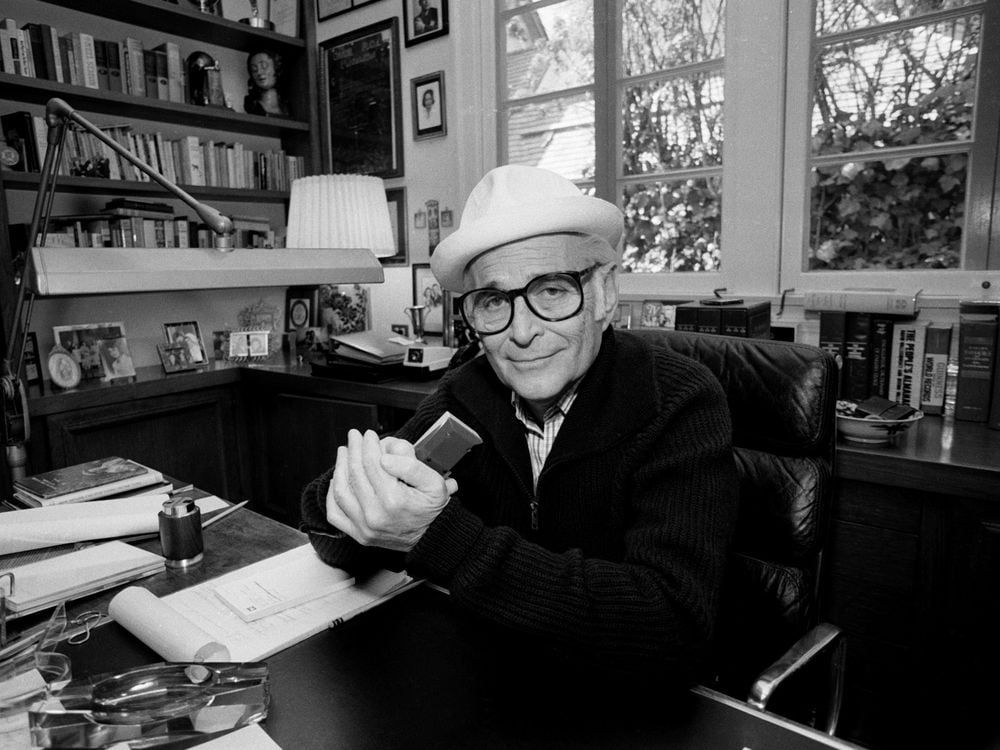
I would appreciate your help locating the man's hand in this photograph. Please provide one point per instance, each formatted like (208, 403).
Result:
(381, 495)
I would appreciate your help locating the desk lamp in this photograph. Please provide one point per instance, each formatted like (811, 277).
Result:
(51, 271)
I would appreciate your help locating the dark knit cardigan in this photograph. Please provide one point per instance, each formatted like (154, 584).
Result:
(636, 507)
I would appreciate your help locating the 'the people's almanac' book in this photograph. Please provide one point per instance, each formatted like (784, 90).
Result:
(85, 481)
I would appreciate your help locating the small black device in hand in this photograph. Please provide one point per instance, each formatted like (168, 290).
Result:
(445, 442)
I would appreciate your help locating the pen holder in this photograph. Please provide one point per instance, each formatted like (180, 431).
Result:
(180, 533)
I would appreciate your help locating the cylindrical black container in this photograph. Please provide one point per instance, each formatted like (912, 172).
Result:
(180, 533)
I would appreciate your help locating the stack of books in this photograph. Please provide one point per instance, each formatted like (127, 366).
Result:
(79, 483)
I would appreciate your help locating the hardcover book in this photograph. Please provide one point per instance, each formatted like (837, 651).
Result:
(832, 333)
(856, 383)
(978, 323)
(881, 353)
(85, 481)
(908, 342)
(935, 370)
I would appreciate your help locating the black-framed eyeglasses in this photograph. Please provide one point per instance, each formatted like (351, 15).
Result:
(551, 297)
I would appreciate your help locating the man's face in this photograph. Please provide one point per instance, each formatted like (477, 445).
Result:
(538, 359)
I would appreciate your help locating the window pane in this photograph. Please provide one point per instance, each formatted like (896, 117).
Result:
(846, 15)
(675, 123)
(557, 135)
(912, 86)
(673, 226)
(902, 213)
(550, 49)
(661, 34)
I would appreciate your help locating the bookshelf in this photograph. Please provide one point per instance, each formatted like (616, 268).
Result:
(157, 21)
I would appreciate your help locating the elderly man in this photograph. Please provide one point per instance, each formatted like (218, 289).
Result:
(594, 520)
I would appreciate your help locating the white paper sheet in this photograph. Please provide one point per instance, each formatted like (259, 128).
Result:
(34, 528)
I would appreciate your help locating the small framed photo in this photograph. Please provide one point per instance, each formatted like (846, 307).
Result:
(187, 334)
(396, 198)
(424, 20)
(32, 362)
(427, 292)
(81, 341)
(115, 358)
(247, 345)
(175, 358)
(420, 219)
(446, 217)
(427, 95)
(623, 315)
(329, 8)
(658, 314)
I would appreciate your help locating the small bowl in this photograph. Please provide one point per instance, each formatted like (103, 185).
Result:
(874, 430)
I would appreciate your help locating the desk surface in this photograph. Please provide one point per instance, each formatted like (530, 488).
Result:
(414, 673)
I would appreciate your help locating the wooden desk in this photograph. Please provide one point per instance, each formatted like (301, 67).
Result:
(410, 674)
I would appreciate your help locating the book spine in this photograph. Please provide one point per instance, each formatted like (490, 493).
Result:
(84, 43)
(162, 75)
(149, 71)
(935, 370)
(175, 85)
(832, 333)
(856, 383)
(101, 61)
(113, 54)
(52, 48)
(887, 303)
(977, 345)
(993, 419)
(70, 75)
(25, 53)
(881, 354)
(134, 63)
(908, 340)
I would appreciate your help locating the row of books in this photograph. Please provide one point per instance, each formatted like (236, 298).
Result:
(901, 358)
(186, 160)
(39, 50)
(128, 223)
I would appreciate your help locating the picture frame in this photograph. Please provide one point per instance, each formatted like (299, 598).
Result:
(396, 197)
(429, 107)
(659, 313)
(32, 360)
(301, 307)
(116, 360)
(249, 344)
(330, 8)
(427, 291)
(361, 102)
(175, 358)
(81, 341)
(424, 20)
(187, 333)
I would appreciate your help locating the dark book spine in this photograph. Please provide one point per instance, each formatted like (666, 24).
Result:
(832, 330)
(19, 132)
(977, 353)
(934, 377)
(113, 55)
(881, 355)
(856, 383)
(149, 68)
(101, 58)
(42, 70)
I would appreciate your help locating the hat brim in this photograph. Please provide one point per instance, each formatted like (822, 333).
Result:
(578, 214)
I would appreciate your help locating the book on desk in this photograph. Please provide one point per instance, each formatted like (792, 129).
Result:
(81, 482)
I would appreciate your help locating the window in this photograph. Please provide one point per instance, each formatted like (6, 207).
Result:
(859, 140)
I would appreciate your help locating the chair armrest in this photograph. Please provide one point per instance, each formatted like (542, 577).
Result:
(823, 639)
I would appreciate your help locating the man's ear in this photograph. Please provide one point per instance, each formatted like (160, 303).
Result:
(607, 295)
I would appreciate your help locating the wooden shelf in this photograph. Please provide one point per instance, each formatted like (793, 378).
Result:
(117, 105)
(98, 186)
(183, 19)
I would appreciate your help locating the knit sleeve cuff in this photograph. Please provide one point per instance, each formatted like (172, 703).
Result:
(445, 544)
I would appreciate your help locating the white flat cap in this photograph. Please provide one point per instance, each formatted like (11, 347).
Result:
(515, 202)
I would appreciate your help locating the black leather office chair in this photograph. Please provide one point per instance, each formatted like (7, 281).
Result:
(782, 397)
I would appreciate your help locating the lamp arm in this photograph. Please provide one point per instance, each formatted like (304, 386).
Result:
(220, 224)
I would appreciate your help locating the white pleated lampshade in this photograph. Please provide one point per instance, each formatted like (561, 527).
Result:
(340, 211)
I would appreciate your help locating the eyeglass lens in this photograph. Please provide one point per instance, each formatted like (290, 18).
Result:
(552, 297)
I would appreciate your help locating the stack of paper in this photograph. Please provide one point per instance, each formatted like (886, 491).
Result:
(81, 482)
(75, 574)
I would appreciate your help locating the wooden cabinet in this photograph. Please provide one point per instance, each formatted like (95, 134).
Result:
(913, 577)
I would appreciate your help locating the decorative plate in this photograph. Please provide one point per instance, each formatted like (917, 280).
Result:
(873, 430)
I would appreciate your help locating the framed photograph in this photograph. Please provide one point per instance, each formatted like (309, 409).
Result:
(115, 358)
(397, 215)
(246, 345)
(175, 358)
(32, 361)
(427, 94)
(81, 341)
(329, 8)
(187, 334)
(658, 314)
(427, 291)
(623, 315)
(424, 20)
(301, 307)
(361, 108)
(420, 220)
(446, 218)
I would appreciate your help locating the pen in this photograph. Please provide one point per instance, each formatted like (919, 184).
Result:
(222, 514)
